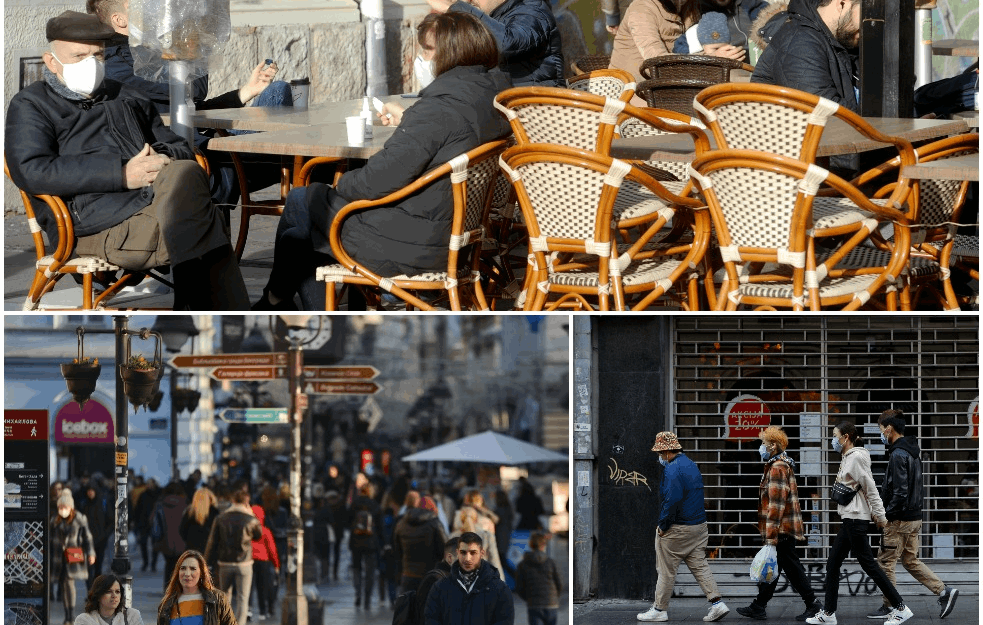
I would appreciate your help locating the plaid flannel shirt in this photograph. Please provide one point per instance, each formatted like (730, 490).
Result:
(778, 508)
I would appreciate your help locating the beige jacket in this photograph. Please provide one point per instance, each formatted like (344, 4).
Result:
(855, 472)
(648, 30)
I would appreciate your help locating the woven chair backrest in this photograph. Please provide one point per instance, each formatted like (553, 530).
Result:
(481, 181)
(607, 83)
(591, 62)
(634, 127)
(712, 69)
(560, 117)
(938, 200)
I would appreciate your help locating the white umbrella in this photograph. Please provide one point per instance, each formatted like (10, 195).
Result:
(488, 447)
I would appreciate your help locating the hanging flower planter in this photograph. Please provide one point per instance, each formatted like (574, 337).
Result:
(141, 380)
(82, 373)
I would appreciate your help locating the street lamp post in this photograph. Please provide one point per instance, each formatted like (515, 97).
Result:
(294, 610)
(175, 330)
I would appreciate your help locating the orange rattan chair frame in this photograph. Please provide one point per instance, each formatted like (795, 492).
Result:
(473, 179)
(572, 250)
(590, 63)
(778, 228)
(51, 267)
(612, 83)
(711, 69)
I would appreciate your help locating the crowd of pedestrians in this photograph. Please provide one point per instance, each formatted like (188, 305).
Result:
(222, 545)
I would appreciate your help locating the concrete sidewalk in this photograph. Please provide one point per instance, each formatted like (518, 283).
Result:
(781, 610)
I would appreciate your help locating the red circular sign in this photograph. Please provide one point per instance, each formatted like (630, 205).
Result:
(91, 423)
(746, 416)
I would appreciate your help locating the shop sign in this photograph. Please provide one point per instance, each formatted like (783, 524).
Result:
(88, 424)
(746, 416)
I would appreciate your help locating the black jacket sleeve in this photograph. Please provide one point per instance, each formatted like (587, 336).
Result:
(504, 608)
(895, 491)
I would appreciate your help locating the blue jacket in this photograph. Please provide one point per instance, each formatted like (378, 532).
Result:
(489, 601)
(528, 40)
(682, 494)
(739, 21)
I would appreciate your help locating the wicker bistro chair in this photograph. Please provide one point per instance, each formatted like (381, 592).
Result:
(611, 83)
(567, 196)
(50, 267)
(590, 63)
(778, 232)
(473, 176)
(672, 94)
(712, 69)
(934, 212)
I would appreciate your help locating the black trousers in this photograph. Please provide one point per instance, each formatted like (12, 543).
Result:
(788, 563)
(852, 539)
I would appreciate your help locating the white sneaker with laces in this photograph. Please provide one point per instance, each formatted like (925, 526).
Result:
(822, 618)
(653, 615)
(717, 612)
(899, 616)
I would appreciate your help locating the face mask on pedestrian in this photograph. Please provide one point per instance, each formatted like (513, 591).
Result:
(763, 450)
(64, 512)
(884, 438)
(423, 70)
(83, 77)
(663, 461)
(837, 447)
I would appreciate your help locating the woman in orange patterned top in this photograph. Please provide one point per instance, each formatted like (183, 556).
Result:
(191, 598)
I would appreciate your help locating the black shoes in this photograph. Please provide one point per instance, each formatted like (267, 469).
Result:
(947, 601)
(753, 611)
(811, 610)
(264, 304)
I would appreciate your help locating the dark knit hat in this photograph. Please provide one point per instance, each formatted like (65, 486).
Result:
(713, 28)
(75, 26)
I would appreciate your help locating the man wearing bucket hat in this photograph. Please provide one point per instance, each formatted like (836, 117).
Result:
(682, 534)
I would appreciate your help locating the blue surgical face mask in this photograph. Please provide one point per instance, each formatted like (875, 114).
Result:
(837, 447)
(763, 450)
(663, 461)
(884, 438)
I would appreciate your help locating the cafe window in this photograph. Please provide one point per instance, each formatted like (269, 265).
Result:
(733, 376)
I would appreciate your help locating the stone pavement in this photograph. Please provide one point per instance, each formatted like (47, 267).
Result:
(339, 597)
(850, 610)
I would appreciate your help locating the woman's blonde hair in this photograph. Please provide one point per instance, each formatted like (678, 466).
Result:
(775, 434)
(201, 504)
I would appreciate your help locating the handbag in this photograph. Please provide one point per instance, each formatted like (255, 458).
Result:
(841, 494)
(74, 555)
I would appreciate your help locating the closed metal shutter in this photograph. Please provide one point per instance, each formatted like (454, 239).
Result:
(807, 373)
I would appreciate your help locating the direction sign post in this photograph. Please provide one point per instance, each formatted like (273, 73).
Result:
(260, 359)
(340, 388)
(255, 415)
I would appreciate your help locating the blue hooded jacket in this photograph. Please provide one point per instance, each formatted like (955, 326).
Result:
(682, 494)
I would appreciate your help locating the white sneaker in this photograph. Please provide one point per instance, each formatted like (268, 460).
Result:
(899, 616)
(654, 615)
(717, 612)
(822, 618)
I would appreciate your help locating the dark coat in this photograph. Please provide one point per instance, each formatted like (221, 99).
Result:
(418, 542)
(365, 542)
(167, 516)
(100, 516)
(528, 40)
(454, 114)
(119, 67)
(488, 603)
(434, 575)
(218, 611)
(537, 581)
(804, 55)
(232, 536)
(901, 490)
(77, 150)
(74, 533)
(195, 534)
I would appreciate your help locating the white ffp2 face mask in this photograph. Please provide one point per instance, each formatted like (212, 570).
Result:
(423, 70)
(85, 76)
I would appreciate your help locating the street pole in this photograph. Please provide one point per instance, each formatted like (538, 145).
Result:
(175, 472)
(121, 553)
(294, 610)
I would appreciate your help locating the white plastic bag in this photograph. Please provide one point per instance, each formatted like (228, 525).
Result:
(764, 567)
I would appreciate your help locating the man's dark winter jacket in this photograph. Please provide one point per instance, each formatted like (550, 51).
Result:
(488, 602)
(119, 67)
(528, 40)
(232, 536)
(537, 581)
(437, 573)
(804, 55)
(418, 542)
(365, 542)
(78, 149)
(901, 490)
(455, 114)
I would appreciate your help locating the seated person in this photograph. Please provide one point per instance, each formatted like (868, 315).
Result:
(815, 51)
(723, 23)
(136, 195)
(260, 89)
(526, 33)
(453, 115)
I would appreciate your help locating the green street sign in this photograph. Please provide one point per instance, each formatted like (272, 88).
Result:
(255, 415)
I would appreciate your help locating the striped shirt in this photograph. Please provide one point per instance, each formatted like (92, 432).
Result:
(189, 610)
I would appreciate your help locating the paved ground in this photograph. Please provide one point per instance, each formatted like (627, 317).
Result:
(850, 610)
(339, 596)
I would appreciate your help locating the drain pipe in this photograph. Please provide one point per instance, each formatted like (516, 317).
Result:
(923, 41)
(375, 49)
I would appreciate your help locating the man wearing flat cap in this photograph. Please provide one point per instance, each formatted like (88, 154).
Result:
(682, 534)
(136, 195)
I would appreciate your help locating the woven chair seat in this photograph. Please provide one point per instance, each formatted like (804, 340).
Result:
(437, 277)
(964, 246)
(83, 264)
(636, 201)
(860, 257)
(639, 272)
(832, 212)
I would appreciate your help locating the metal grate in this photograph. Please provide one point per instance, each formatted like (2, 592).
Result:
(812, 372)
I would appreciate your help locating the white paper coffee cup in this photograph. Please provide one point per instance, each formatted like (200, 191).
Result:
(356, 129)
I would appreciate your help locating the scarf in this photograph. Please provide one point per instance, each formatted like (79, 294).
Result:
(468, 579)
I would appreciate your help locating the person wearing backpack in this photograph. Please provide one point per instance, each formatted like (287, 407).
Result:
(473, 593)
(538, 582)
(410, 606)
(166, 526)
(363, 541)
